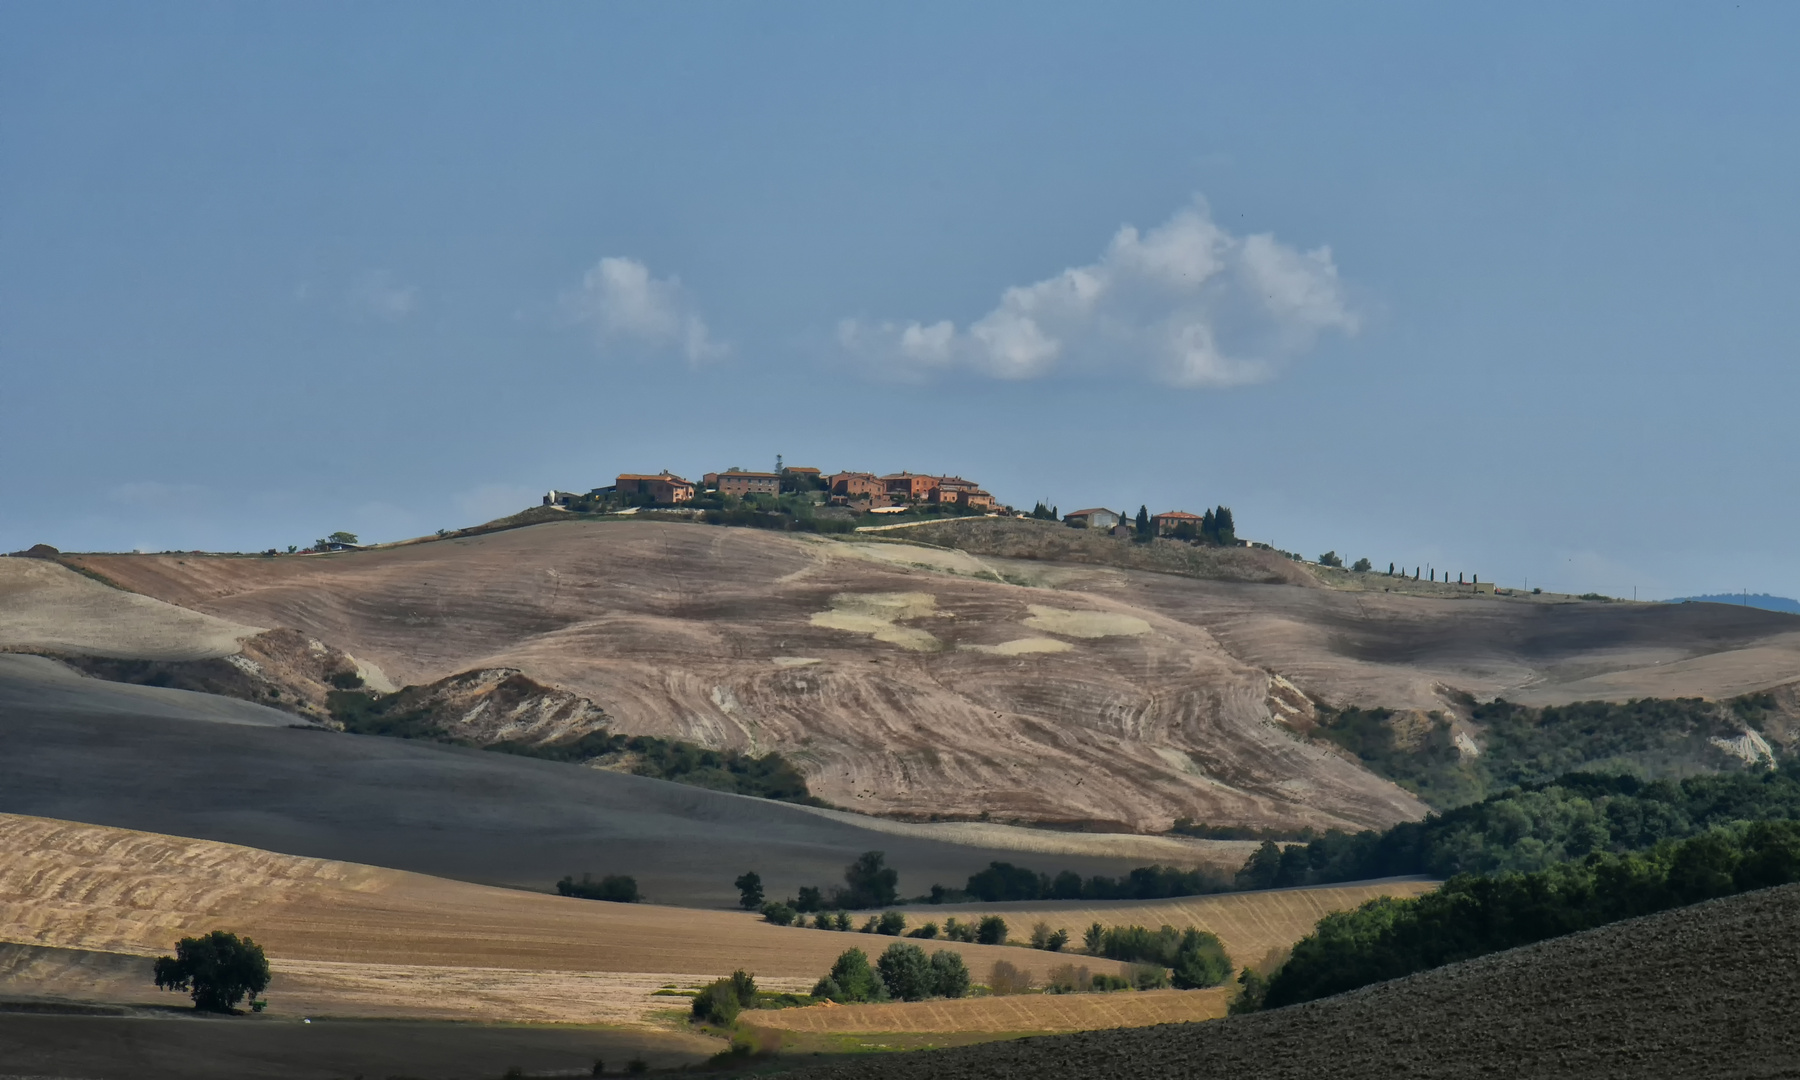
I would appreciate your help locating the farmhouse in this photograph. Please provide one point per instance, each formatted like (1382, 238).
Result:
(738, 482)
(909, 486)
(851, 485)
(1166, 524)
(1096, 518)
(666, 488)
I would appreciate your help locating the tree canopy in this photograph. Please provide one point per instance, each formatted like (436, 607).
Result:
(218, 970)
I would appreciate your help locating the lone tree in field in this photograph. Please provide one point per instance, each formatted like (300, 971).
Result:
(218, 970)
(750, 891)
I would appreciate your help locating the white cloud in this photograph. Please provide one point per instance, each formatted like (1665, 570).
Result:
(378, 295)
(621, 300)
(1186, 303)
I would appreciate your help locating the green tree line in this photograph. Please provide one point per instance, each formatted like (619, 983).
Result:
(1472, 915)
(1532, 827)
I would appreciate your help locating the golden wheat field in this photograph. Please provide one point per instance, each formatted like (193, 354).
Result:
(352, 940)
(1013, 1013)
(1249, 925)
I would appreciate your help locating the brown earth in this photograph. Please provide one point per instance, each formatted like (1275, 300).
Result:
(1703, 992)
(84, 906)
(915, 681)
(897, 690)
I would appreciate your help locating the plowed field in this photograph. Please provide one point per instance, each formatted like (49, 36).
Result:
(1703, 992)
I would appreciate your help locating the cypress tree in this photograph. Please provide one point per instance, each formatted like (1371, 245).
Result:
(1143, 521)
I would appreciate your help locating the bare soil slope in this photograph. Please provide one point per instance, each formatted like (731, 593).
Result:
(45, 606)
(1707, 991)
(899, 690)
(914, 680)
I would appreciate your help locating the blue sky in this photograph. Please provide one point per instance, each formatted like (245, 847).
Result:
(1508, 291)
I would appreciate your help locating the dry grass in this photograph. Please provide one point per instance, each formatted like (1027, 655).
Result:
(1248, 924)
(45, 606)
(347, 939)
(362, 940)
(1014, 1013)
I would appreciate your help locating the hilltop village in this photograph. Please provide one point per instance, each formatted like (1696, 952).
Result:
(805, 490)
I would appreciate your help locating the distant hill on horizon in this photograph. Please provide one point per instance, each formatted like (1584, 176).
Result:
(1755, 600)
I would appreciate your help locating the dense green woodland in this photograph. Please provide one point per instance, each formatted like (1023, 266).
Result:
(1474, 915)
(1534, 827)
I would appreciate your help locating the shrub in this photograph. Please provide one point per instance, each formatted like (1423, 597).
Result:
(1330, 558)
(1362, 566)
(957, 931)
(1148, 976)
(722, 1000)
(1197, 956)
(778, 913)
(1042, 937)
(1004, 978)
(949, 975)
(891, 923)
(217, 970)
(1252, 990)
(750, 890)
(842, 922)
(928, 931)
(851, 979)
(991, 930)
(810, 899)
(905, 972)
(1069, 979)
(1106, 984)
(617, 888)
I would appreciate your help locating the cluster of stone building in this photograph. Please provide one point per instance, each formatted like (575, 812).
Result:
(857, 490)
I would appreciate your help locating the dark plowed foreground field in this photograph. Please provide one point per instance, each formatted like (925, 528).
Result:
(1707, 991)
(194, 765)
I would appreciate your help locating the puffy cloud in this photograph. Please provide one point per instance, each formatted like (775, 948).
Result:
(1186, 303)
(621, 300)
(377, 294)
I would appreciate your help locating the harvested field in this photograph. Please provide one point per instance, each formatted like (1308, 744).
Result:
(1704, 992)
(85, 750)
(1249, 925)
(1018, 1013)
(348, 939)
(46, 606)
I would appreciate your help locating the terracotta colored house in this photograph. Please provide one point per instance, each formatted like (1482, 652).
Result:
(853, 485)
(666, 488)
(1166, 524)
(909, 486)
(737, 482)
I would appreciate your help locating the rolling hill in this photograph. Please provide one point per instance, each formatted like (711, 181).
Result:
(921, 682)
(1704, 991)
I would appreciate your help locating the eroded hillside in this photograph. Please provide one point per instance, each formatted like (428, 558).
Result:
(917, 681)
